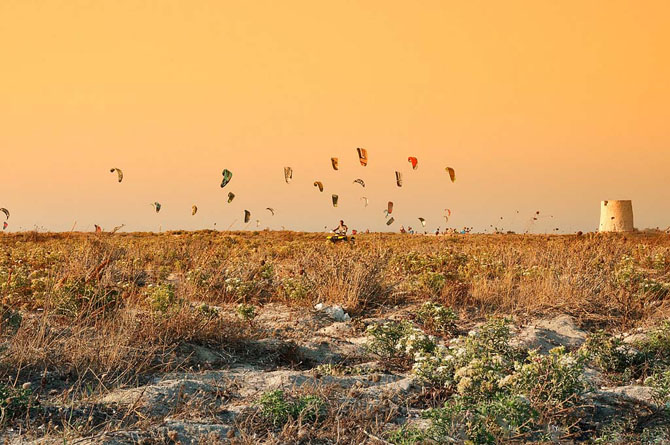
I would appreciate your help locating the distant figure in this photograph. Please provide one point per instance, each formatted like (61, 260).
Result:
(437, 231)
(354, 232)
(410, 230)
(342, 229)
(402, 229)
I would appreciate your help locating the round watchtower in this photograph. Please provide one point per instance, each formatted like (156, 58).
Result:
(616, 216)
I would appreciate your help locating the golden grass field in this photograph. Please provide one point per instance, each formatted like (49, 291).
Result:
(85, 315)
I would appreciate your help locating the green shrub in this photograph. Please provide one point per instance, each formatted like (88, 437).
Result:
(75, 296)
(555, 380)
(486, 422)
(14, 402)
(295, 289)
(276, 408)
(655, 348)
(433, 282)
(609, 353)
(10, 320)
(162, 298)
(471, 364)
(398, 340)
(407, 436)
(246, 312)
(660, 384)
(437, 318)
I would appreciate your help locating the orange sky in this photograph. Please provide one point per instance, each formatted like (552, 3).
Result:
(539, 105)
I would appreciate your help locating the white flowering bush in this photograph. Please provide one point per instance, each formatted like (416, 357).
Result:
(393, 340)
(554, 381)
(498, 391)
(471, 364)
(437, 318)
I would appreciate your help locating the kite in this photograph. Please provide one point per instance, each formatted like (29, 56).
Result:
(227, 176)
(231, 196)
(390, 207)
(414, 161)
(4, 225)
(194, 209)
(390, 221)
(365, 200)
(117, 228)
(336, 163)
(335, 199)
(423, 222)
(452, 173)
(247, 216)
(6, 212)
(318, 184)
(118, 171)
(271, 210)
(363, 156)
(157, 206)
(288, 174)
(98, 229)
(398, 179)
(359, 181)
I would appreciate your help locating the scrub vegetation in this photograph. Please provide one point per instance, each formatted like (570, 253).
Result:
(211, 337)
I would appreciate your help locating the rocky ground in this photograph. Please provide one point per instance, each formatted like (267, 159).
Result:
(214, 399)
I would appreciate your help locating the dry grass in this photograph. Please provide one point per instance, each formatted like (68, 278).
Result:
(91, 312)
(94, 292)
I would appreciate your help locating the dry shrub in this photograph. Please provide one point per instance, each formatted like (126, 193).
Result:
(353, 279)
(115, 349)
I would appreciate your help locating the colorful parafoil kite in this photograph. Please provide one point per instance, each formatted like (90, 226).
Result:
(389, 207)
(117, 228)
(271, 210)
(359, 181)
(362, 156)
(231, 196)
(452, 173)
(247, 216)
(227, 176)
(157, 206)
(448, 212)
(194, 209)
(335, 199)
(414, 161)
(288, 174)
(6, 212)
(118, 171)
(335, 163)
(423, 221)
(98, 229)
(389, 221)
(398, 179)
(365, 201)
(318, 184)
(5, 225)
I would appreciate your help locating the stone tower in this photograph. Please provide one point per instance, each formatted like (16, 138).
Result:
(616, 216)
